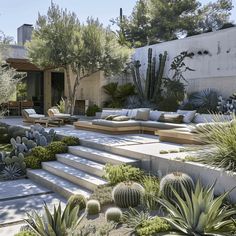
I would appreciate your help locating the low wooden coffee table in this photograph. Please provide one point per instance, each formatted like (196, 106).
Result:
(181, 136)
(48, 121)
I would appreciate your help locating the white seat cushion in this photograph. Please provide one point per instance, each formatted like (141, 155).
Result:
(36, 116)
(30, 111)
(61, 115)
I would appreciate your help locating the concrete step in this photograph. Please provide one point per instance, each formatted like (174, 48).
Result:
(73, 175)
(101, 156)
(57, 184)
(83, 164)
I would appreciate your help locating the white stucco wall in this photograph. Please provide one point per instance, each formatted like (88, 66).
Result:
(215, 70)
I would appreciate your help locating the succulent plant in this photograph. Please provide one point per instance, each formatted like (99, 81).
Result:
(93, 207)
(127, 194)
(175, 181)
(77, 200)
(10, 172)
(113, 214)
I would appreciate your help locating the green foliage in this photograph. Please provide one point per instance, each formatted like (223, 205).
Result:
(71, 141)
(62, 105)
(57, 147)
(151, 186)
(113, 214)
(120, 173)
(103, 194)
(26, 233)
(60, 41)
(154, 21)
(153, 226)
(199, 213)
(42, 153)
(174, 182)
(77, 200)
(93, 207)
(222, 137)
(91, 111)
(33, 162)
(118, 94)
(57, 223)
(204, 101)
(134, 219)
(128, 194)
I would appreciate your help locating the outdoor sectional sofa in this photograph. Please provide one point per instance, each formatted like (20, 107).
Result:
(134, 123)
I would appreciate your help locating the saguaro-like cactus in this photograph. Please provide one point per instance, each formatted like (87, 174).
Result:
(151, 91)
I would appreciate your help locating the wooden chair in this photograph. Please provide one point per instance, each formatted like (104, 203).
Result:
(14, 106)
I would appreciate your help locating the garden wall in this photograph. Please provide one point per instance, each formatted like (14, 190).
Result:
(214, 59)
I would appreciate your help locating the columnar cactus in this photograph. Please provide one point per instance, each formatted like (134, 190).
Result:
(127, 194)
(93, 207)
(113, 214)
(175, 181)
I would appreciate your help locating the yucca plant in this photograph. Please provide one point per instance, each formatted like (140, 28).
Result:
(221, 135)
(10, 172)
(57, 224)
(201, 213)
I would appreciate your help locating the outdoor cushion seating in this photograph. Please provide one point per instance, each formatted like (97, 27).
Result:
(30, 115)
(54, 112)
(189, 121)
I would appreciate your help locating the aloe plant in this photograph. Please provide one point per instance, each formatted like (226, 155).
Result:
(57, 224)
(201, 213)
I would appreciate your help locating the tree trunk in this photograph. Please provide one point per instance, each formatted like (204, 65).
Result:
(70, 93)
(76, 84)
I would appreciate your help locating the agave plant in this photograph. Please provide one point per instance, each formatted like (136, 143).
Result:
(57, 224)
(10, 172)
(201, 213)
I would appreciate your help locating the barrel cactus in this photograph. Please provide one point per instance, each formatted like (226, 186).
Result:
(77, 200)
(93, 207)
(113, 214)
(175, 181)
(127, 194)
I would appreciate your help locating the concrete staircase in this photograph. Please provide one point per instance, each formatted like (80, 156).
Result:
(79, 171)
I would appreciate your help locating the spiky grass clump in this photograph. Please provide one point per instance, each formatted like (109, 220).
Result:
(221, 135)
(93, 207)
(113, 214)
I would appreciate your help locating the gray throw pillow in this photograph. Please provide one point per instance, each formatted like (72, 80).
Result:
(142, 114)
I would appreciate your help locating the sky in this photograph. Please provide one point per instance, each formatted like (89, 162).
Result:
(14, 13)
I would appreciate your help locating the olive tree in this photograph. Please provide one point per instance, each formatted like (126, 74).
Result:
(61, 41)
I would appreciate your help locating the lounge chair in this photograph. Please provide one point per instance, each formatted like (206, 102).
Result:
(30, 115)
(54, 112)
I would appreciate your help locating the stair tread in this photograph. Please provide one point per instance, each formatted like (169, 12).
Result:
(75, 172)
(103, 153)
(81, 160)
(65, 184)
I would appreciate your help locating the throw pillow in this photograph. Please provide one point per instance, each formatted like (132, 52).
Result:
(121, 118)
(142, 114)
(171, 118)
(155, 115)
(110, 117)
(106, 113)
(188, 115)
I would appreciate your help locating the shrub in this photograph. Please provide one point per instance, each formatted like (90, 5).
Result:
(71, 141)
(93, 207)
(77, 200)
(175, 181)
(42, 153)
(153, 226)
(91, 111)
(113, 214)
(103, 194)
(26, 233)
(57, 147)
(33, 162)
(120, 173)
(127, 194)
(151, 185)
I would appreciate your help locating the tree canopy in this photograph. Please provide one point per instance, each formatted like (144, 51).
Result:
(61, 41)
(153, 21)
